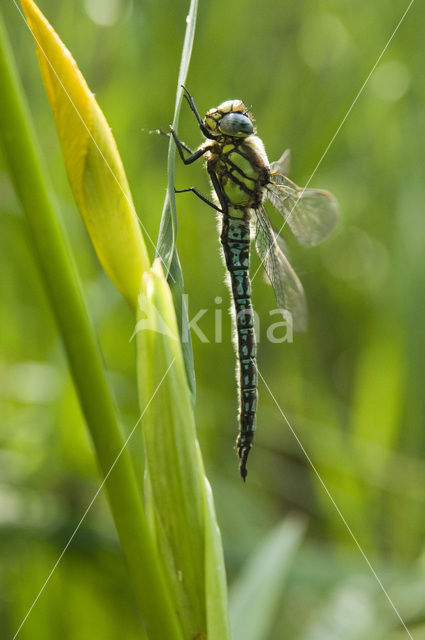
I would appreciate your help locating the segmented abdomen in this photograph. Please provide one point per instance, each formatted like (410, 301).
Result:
(235, 238)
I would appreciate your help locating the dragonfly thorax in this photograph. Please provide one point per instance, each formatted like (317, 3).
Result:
(242, 170)
(229, 119)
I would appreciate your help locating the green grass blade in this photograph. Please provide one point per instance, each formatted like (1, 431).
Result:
(166, 245)
(63, 289)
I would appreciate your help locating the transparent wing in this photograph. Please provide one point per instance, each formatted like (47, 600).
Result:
(310, 213)
(287, 288)
(283, 164)
(280, 240)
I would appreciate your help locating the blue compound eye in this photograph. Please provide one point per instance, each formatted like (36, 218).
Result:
(236, 124)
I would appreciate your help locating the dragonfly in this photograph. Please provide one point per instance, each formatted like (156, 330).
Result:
(242, 178)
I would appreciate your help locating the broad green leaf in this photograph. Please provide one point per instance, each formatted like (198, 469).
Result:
(255, 596)
(180, 506)
(92, 161)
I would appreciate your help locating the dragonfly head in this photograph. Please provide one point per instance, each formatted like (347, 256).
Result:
(230, 119)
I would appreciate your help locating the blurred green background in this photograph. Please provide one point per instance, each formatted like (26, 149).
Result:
(351, 388)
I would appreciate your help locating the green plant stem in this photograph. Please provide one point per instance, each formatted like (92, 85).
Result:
(63, 288)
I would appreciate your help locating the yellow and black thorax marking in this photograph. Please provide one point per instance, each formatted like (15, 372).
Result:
(240, 169)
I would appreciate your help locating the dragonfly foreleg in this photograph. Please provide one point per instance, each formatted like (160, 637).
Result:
(191, 102)
(183, 146)
(161, 132)
(199, 194)
(192, 105)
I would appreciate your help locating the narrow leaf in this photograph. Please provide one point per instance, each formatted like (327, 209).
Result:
(166, 244)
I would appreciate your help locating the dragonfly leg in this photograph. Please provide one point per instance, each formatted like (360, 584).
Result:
(203, 198)
(182, 146)
(219, 192)
(191, 102)
(186, 147)
(192, 105)
(161, 132)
